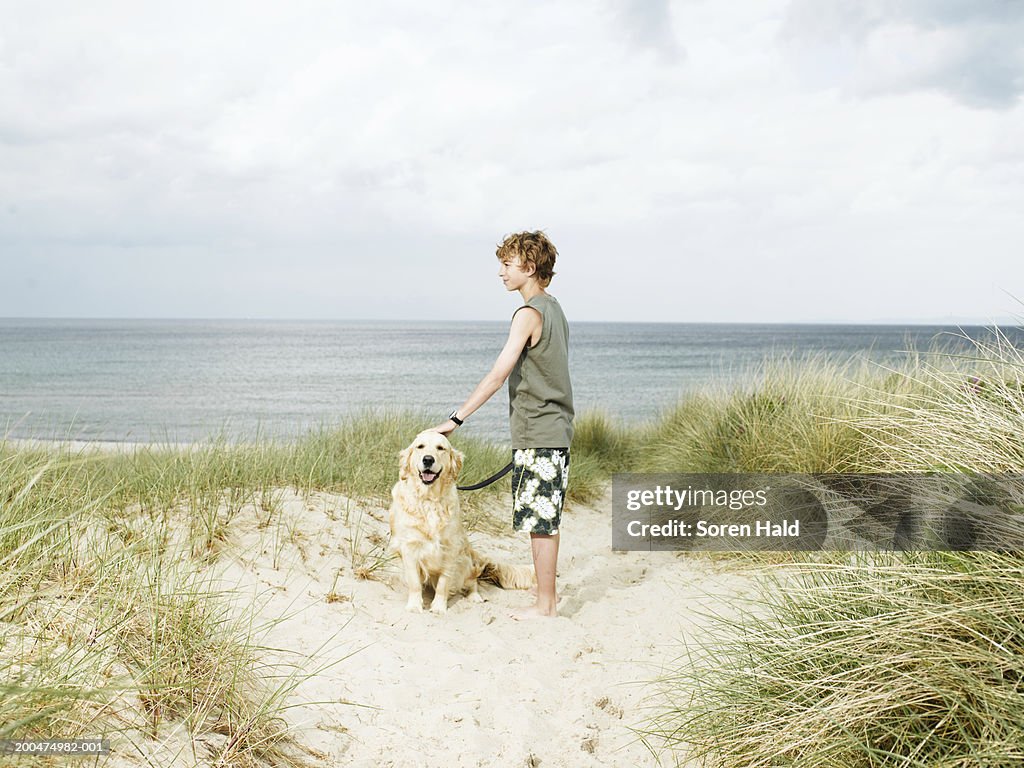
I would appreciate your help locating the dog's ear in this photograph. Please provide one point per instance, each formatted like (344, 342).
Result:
(457, 458)
(404, 460)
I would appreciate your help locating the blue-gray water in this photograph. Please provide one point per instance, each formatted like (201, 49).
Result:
(184, 380)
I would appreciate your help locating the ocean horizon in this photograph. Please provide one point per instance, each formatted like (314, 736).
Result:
(187, 380)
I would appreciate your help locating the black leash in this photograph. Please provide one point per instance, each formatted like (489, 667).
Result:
(488, 481)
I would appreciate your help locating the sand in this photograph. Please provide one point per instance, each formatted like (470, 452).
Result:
(473, 687)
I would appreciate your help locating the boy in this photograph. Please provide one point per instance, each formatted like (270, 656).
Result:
(535, 360)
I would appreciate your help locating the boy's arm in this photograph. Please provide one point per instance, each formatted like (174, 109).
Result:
(523, 326)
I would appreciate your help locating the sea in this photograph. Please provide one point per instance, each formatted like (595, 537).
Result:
(181, 381)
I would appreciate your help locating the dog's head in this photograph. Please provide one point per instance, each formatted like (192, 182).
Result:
(430, 459)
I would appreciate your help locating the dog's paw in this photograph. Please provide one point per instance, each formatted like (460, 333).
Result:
(439, 606)
(414, 606)
(475, 597)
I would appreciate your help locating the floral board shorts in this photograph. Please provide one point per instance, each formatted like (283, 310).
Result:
(539, 479)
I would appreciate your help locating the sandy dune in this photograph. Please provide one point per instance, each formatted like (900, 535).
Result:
(474, 687)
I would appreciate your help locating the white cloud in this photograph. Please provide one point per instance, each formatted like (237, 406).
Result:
(971, 50)
(817, 159)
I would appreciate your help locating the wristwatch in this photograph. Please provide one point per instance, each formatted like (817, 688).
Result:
(454, 416)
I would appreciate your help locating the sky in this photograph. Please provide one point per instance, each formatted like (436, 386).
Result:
(693, 161)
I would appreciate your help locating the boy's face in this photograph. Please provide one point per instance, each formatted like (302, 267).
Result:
(513, 274)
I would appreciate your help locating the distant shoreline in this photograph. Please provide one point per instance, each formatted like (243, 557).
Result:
(105, 446)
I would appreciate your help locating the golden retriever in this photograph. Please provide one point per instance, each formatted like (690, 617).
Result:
(426, 529)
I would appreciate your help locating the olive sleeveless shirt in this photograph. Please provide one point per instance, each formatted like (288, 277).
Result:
(539, 390)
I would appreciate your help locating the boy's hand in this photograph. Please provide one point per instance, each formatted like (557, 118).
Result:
(445, 428)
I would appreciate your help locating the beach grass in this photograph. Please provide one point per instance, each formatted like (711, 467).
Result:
(874, 659)
(913, 660)
(805, 414)
(107, 625)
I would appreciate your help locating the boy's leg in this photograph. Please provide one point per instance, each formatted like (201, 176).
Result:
(538, 493)
(545, 565)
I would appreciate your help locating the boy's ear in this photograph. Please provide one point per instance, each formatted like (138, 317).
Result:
(458, 457)
(404, 470)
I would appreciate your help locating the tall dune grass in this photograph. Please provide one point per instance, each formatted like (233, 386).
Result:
(909, 660)
(966, 414)
(802, 416)
(913, 661)
(108, 628)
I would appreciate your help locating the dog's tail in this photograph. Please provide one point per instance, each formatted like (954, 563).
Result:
(504, 575)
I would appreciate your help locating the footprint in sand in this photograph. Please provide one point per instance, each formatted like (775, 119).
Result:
(605, 704)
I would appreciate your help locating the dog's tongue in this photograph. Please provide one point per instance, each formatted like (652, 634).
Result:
(428, 476)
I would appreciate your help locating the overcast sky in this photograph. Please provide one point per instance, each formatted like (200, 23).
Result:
(697, 161)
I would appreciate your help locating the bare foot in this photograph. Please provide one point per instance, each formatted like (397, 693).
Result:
(533, 612)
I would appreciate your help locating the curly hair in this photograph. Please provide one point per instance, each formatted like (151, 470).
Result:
(531, 249)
